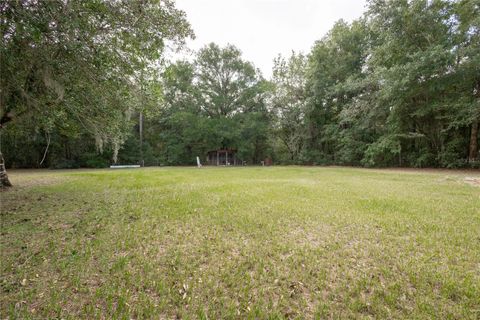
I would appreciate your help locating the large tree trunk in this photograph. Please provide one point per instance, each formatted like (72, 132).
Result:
(4, 182)
(473, 150)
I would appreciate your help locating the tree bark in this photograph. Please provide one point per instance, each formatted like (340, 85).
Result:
(4, 182)
(140, 131)
(473, 149)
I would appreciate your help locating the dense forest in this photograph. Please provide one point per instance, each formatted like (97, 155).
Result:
(86, 84)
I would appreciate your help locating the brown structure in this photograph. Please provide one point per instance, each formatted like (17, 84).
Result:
(223, 157)
(268, 162)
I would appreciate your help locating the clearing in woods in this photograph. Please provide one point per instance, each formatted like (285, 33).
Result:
(278, 242)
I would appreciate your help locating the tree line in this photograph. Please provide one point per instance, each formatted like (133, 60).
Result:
(399, 86)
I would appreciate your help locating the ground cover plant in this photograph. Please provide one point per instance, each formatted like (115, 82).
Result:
(210, 243)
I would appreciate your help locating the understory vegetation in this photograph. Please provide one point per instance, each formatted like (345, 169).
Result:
(399, 86)
(229, 243)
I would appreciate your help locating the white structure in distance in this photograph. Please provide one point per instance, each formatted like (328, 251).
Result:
(199, 165)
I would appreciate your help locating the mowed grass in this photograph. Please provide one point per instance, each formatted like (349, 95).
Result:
(258, 243)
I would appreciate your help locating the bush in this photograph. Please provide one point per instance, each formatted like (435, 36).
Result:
(96, 163)
(95, 160)
(382, 153)
(65, 164)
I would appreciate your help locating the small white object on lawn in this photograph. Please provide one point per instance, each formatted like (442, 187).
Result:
(199, 165)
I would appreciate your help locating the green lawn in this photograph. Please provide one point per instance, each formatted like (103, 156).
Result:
(211, 243)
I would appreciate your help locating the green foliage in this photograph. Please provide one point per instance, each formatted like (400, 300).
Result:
(65, 164)
(398, 87)
(381, 93)
(74, 65)
(94, 160)
(382, 152)
(288, 104)
(217, 101)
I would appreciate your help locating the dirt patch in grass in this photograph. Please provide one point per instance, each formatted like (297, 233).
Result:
(472, 181)
(37, 181)
(23, 179)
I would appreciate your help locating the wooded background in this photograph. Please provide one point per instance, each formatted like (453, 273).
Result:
(398, 87)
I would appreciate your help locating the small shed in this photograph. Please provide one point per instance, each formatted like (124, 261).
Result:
(223, 157)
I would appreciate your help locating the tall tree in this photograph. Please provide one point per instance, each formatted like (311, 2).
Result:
(334, 62)
(217, 101)
(428, 78)
(227, 82)
(75, 60)
(467, 36)
(288, 103)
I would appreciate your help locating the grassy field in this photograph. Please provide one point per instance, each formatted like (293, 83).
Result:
(278, 242)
